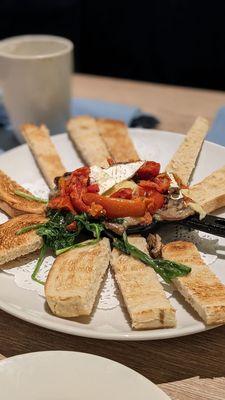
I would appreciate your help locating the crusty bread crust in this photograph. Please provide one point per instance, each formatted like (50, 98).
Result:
(85, 136)
(13, 204)
(201, 287)
(13, 246)
(143, 295)
(183, 162)
(44, 151)
(118, 142)
(209, 193)
(75, 278)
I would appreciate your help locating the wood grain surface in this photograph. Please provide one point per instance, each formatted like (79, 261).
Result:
(162, 361)
(175, 106)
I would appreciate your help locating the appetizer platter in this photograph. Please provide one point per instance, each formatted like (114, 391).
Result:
(111, 194)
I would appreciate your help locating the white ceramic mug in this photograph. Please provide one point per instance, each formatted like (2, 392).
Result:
(35, 73)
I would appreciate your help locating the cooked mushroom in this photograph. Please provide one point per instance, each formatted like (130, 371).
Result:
(115, 227)
(174, 210)
(155, 245)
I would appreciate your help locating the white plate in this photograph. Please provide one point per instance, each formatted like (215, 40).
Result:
(64, 375)
(104, 324)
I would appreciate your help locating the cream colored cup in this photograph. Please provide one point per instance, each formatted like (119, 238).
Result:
(35, 73)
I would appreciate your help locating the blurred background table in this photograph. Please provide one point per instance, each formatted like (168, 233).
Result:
(176, 107)
(161, 361)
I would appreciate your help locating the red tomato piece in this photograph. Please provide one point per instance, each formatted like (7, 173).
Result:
(149, 170)
(72, 227)
(96, 210)
(61, 203)
(77, 201)
(148, 186)
(125, 193)
(163, 182)
(94, 188)
(154, 201)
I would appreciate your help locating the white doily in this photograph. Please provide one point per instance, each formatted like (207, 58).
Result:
(109, 297)
(206, 243)
(22, 269)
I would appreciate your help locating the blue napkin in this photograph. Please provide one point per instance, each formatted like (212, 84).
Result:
(131, 115)
(216, 133)
(105, 109)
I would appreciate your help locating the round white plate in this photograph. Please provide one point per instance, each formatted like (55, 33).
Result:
(64, 375)
(113, 323)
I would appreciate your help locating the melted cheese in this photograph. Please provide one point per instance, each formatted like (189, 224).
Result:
(106, 178)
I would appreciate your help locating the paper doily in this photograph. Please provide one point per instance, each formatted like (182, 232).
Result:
(109, 297)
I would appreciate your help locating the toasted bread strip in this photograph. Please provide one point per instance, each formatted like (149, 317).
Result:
(44, 151)
(143, 295)
(75, 278)
(117, 140)
(201, 287)
(13, 204)
(183, 162)
(85, 136)
(13, 246)
(209, 193)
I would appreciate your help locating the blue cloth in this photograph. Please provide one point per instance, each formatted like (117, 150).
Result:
(216, 133)
(104, 109)
(131, 115)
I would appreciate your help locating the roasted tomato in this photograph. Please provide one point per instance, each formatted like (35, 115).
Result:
(149, 170)
(94, 188)
(61, 203)
(147, 186)
(125, 193)
(96, 210)
(117, 208)
(163, 183)
(78, 180)
(155, 201)
(72, 227)
(77, 201)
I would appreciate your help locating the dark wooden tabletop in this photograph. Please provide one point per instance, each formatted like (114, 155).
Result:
(161, 361)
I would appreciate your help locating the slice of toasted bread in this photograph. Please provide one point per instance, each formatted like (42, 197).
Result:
(13, 204)
(85, 136)
(75, 278)
(143, 295)
(209, 193)
(184, 160)
(201, 287)
(118, 142)
(44, 151)
(13, 246)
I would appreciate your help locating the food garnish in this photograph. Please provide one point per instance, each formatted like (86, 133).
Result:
(168, 270)
(93, 201)
(30, 197)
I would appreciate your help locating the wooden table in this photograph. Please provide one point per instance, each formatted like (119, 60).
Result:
(161, 361)
(176, 107)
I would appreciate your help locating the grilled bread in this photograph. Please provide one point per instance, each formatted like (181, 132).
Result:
(75, 278)
(210, 193)
(85, 136)
(117, 140)
(13, 204)
(143, 295)
(44, 151)
(184, 160)
(201, 287)
(13, 246)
